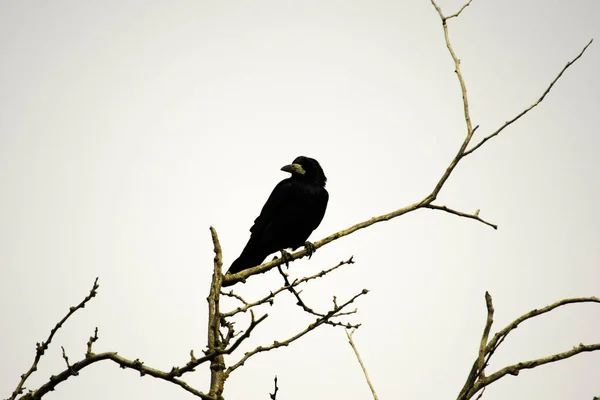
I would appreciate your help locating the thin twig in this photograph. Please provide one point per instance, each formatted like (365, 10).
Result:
(531, 107)
(273, 395)
(456, 14)
(461, 214)
(246, 334)
(362, 365)
(90, 342)
(299, 300)
(309, 310)
(64, 355)
(480, 394)
(235, 296)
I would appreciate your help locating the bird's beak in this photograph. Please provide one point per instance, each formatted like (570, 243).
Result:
(294, 169)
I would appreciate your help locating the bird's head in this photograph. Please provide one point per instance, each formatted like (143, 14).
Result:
(306, 168)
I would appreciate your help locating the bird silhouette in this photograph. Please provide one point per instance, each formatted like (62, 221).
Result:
(294, 209)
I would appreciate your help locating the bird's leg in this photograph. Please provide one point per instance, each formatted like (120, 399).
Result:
(310, 248)
(286, 257)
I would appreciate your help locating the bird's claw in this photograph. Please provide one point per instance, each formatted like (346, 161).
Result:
(286, 257)
(310, 248)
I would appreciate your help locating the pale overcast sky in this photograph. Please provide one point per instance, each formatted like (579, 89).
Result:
(128, 128)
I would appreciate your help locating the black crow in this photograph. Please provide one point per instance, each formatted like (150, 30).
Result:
(294, 209)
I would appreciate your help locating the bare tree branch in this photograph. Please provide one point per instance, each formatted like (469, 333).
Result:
(64, 354)
(42, 347)
(362, 365)
(531, 107)
(269, 298)
(246, 334)
(277, 344)
(90, 342)
(194, 362)
(309, 310)
(231, 279)
(461, 214)
(477, 370)
(467, 113)
(235, 296)
(217, 363)
(486, 334)
(123, 363)
(456, 14)
(477, 380)
(534, 313)
(516, 368)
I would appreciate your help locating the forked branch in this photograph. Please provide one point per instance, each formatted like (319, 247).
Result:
(43, 346)
(276, 344)
(427, 201)
(477, 380)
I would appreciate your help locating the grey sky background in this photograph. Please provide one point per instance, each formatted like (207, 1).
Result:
(128, 128)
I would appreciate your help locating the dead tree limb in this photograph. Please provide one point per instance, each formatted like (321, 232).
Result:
(477, 380)
(428, 201)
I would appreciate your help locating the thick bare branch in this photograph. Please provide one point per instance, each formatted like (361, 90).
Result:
(480, 363)
(42, 347)
(486, 334)
(215, 346)
(123, 363)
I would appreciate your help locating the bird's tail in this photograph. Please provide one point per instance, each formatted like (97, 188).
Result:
(251, 256)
